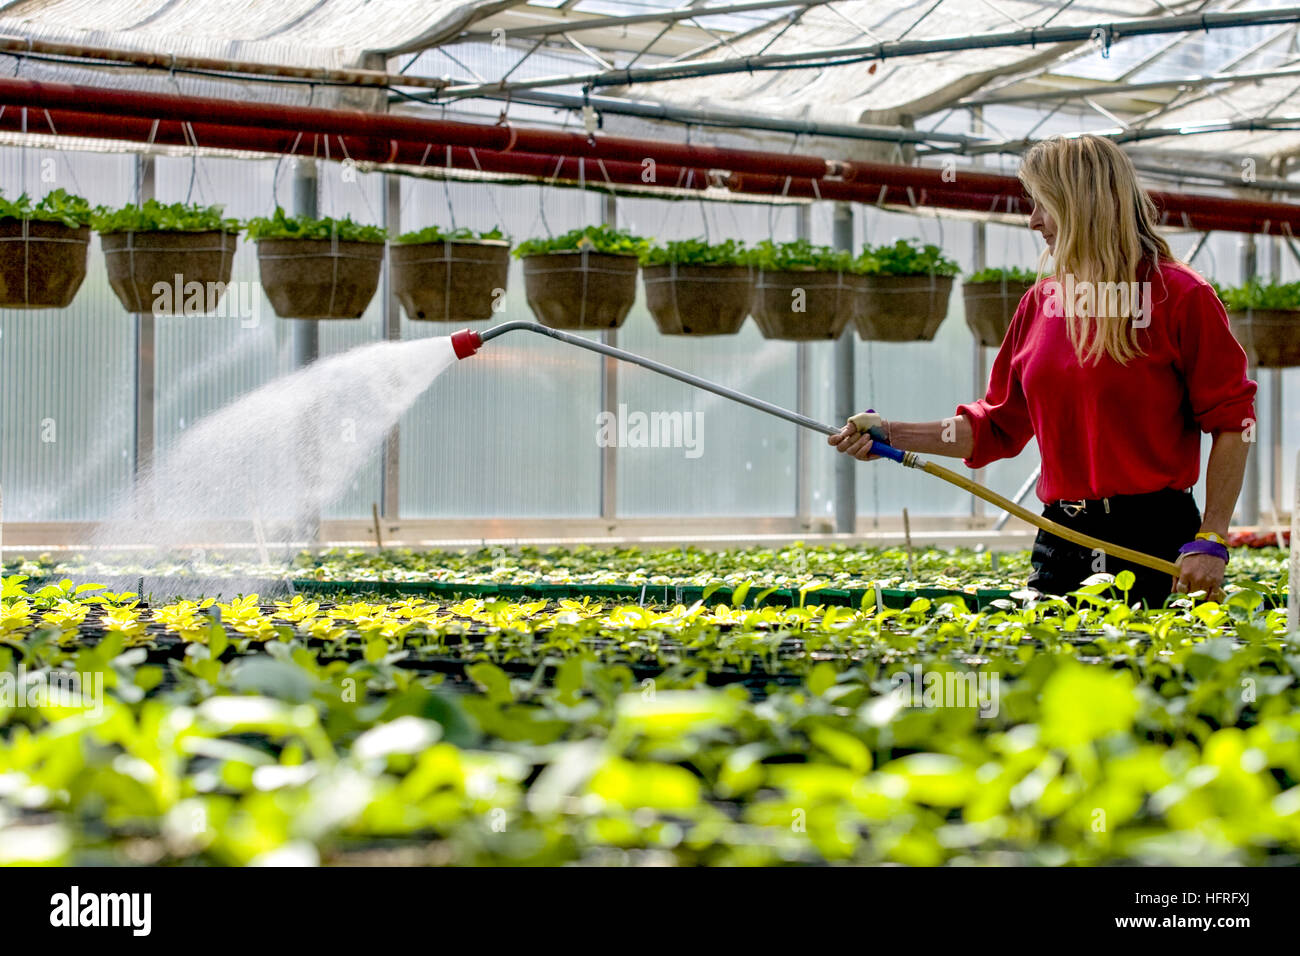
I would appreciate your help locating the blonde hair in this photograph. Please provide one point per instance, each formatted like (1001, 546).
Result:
(1105, 228)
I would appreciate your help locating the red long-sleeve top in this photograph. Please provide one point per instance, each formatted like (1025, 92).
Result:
(1111, 429)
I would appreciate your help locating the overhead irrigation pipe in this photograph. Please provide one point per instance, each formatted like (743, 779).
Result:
(30, 46)
(1105, 34)
(874, 184)
(796, 174)
(467, 342)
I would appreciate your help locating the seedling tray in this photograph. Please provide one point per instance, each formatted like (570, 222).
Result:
(641, 594)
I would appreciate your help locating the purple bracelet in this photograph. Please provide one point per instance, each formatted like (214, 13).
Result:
(1205, 547)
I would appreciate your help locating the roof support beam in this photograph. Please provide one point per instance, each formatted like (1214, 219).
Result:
(1110, 89)
(727, 119)
(1137, 134)
(562, 25)
(840, 56)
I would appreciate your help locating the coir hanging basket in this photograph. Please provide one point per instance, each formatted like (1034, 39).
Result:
(580, 289)
(990, 307)
(319, 278)
(1271, 337)
(449, 281)
(902, 308)
(42, 264)
(699, 300)
(804, 305)
(153, 271)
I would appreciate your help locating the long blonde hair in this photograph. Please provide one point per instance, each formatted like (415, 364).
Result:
(1105, 228)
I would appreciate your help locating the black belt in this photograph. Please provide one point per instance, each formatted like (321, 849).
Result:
(1074, 508)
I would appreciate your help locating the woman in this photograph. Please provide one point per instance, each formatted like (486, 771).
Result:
(1116, 382)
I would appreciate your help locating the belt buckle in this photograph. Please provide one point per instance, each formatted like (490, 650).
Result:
(1072, 508)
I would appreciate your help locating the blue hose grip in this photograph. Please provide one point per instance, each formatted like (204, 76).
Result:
(886, 451)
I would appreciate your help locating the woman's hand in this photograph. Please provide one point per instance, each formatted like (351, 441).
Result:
(850, 441)
(1201, 572)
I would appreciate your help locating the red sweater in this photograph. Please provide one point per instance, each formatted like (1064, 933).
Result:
(1108, 429)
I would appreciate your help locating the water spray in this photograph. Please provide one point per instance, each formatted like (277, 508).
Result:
(467, 342)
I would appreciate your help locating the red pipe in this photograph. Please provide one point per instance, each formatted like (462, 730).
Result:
(1255, 219)
(33, 93)
(356, 123)
(174, 133)
(1202, 211)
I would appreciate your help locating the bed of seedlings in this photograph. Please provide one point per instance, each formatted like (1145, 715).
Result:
(362, 727)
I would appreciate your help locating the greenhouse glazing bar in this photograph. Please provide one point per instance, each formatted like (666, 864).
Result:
(1102, 88)
(894, 49)
(663, 16)
(727, 119)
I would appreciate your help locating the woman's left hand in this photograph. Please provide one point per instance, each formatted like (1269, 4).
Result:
(1201, 572)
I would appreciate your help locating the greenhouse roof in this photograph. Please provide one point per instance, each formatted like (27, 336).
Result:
(1186, 86)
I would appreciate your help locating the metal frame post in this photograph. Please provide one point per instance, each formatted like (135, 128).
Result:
(146, 359)
(846, 498)
(306, 191)
(390, 488)
(1250, 484)
(1276, 415)
(802, 388)
(803, 402)
(609, 395)
(979, 363)
(306, 332)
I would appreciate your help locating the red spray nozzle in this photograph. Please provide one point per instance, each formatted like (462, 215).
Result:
(465, 343)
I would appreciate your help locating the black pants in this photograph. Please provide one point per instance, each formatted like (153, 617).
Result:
(1157, 524)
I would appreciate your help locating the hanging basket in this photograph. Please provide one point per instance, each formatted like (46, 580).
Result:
(804, 305)
(699, 300)
(42, 264)
(449, 281)
(580, 289)
(319, 278)
(902, 308)
(153, 271)
(990, 307)
(1271, 337)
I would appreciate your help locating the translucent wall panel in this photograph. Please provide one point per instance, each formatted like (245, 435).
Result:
(66, 398)
(739, 461)
(508, 433)
(206, 362)
(512, 432)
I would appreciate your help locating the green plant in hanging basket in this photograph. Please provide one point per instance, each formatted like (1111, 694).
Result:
(56, 206)
(461, 234)
(594, 291)
(45, 250)
(798, 255)
(1257, 295)
(905, 257)
(992, 297)
(153, 245)
(313, 268)
(1266, 320)
(602, 239)
(694, 287)
(154, 216)
(450, 275)
(905, 288)
(698, 252)
(1010, 274)
(283, 226)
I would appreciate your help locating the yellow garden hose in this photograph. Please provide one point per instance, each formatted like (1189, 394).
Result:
(912, 460)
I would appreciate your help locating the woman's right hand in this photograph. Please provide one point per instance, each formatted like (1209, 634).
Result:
(851, 440)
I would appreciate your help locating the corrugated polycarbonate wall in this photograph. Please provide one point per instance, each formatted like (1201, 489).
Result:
(66, 397)
(513, 432)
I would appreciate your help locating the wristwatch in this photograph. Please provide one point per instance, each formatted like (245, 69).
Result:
(1212, 536)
